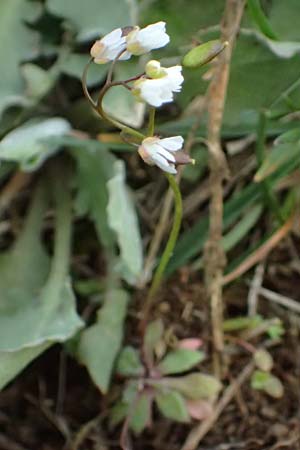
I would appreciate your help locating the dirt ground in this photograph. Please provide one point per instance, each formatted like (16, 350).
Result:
(53, 404)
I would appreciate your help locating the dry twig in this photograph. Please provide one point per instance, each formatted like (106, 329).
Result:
(214, 254)
(254, 289)
(261, 252)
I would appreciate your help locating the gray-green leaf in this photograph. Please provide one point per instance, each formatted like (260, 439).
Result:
(100, 343)
(99, 16)
(141, 415)
(180, 360)
(28, 145)
(172, 405)
(129, 362)
(122, 219)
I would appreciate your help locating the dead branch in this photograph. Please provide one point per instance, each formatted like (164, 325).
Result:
(214, 255)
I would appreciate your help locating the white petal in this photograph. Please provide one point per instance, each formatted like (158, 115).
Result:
(126, 55)
(163, 164)
(155, 92)
(154, 149)
(153, 36)
(175, 77)
(173, 143)
(166, 154)
(113, 37)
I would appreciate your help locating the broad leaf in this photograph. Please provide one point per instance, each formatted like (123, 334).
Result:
(38, 81)
(120, 103)
(172, 405)
(141, 413)
(129, 363)
(98, 17)
(12, 363)
(180, 360)
(37, 304)
(18, 42)
(194, 386)
(28, 145)
(122, 219)
(100, 343)
(74, 64)
(94, 168)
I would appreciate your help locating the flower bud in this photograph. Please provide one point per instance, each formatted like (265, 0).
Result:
(154, 70)
(204, 53)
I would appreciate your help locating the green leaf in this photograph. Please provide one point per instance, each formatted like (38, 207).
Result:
(180, 360)
(279, 155)
(172, 405)
(18, 42)
(118, 413)
(38, 81)
(141, 416)
(94, 169)
(204, 53)
(194, 386)
(153, 335)
(289, 137)
(100, 343)
(12, 363)
(282, 49)
(122, 219)
(27, 144)
(120, 103)
(129, 362)
(263, 360)
(260, 19)
(131, 391)
(37, 304)
(241, 323)
(268, 383)
(276, 330)
(73, 66)
(98, 17)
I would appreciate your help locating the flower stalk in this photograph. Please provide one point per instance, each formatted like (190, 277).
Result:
(155, 86)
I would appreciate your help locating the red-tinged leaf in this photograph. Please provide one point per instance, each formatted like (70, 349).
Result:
(199, 409)
(190, 343)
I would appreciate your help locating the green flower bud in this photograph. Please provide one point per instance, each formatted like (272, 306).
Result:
(204, 53)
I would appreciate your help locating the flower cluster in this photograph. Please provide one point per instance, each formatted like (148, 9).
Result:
(129, 41)
(155, 87)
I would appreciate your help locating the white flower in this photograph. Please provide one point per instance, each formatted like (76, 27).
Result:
(159, 89)
(109, 47)
(140, 41)
(130, 40)
(159, 152)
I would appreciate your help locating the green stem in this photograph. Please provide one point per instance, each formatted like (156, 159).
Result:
(171, 241)
(98, 106)
(151, 123)
(34, 219)
(116, 123)
(270, 198)
(63, 226)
